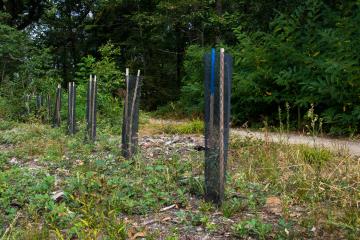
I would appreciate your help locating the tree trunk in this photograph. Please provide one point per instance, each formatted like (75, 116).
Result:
(3, 72)
(219, 13)
(179, 56)
(298, 118)
(219, 7)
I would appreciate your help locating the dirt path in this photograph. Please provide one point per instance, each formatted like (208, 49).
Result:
(341, 146)
(335, 145)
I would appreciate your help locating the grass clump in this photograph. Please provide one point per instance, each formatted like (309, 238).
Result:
(316, 157)
(192, 127)
(304, 177)
(233, 206)
(20, 134)
(154, 126)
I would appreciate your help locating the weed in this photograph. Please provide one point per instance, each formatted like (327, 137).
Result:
(316, 157)
(192, 127)
(233, 206)
(287, 107)
(172, 237)
(6, 125)
(281, 125)
(315, 126)
(182, 216)
(196, 185)
(206, 206)
(284, 230)
(252, 228)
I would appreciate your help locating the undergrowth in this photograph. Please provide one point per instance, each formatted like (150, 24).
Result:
(103, 196)
(195, 126)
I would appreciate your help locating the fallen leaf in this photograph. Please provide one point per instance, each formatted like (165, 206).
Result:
(138, 235)
(166, 219)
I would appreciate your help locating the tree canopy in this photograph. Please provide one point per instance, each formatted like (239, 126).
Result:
(286, 51)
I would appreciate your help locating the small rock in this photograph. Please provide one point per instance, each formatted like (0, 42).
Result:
(176, 139)
(58, 196)
(79, 162)
(13, 160)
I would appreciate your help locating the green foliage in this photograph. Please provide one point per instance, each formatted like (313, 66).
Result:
(286, 52)
(193, 127)
(18, 135)
(308, 56)
(100, 187)
(109, 79)
(25, 69)
(252, 228)
(20, 188)
(192, 93)
(233, 206)
(84, 69)
(316, 157)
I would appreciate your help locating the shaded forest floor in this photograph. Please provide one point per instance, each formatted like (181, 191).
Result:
(54, 186)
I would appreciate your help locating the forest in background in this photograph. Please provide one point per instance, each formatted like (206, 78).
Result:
(294, 61)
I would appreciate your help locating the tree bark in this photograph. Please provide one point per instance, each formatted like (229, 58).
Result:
(179, 55)
(3, 72)
(219, 7)
(219, 13)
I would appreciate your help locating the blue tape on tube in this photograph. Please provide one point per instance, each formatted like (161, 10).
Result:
(212, 79)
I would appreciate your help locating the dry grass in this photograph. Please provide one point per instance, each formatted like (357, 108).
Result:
(154, 126)
(324, 186)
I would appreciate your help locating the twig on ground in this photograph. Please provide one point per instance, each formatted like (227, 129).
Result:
(167, 208)
(8, 229)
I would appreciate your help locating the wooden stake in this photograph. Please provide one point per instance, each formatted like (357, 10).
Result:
(57, 116)
(73, 108)
(126, 139)
(89, 109)
(132, 113)
(48, 108)
(88, 103)
(59, 105)
(27, 103)
(69, 107)
(93, 128)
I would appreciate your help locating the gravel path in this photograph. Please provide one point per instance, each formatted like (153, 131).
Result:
(335, 145)
(341, 146)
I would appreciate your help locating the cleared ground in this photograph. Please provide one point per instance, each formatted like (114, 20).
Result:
(54, 186)
(342, 146)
